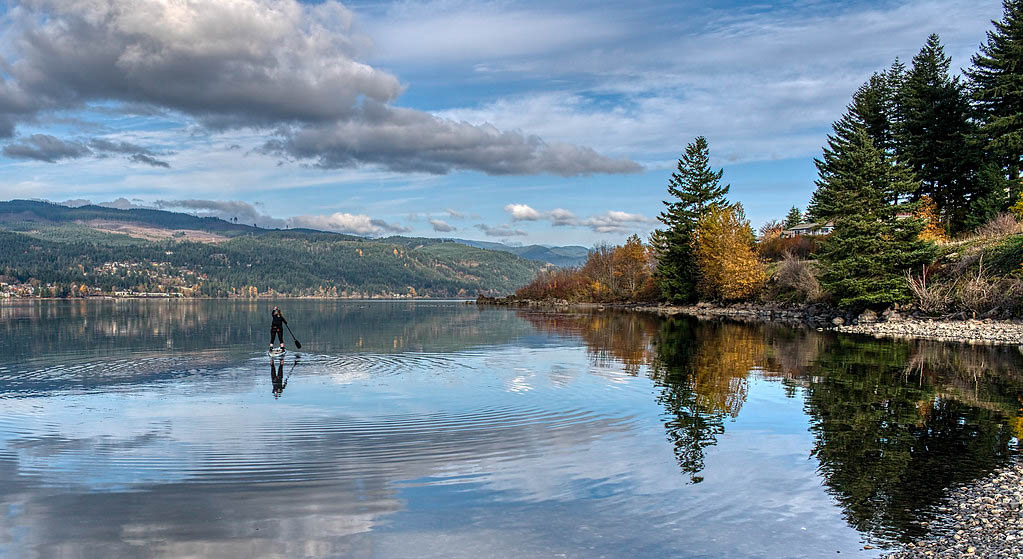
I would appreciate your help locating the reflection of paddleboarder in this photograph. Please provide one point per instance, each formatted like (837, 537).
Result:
(277, 376)
(277, 327)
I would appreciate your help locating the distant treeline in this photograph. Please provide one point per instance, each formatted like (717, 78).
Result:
(70, 260)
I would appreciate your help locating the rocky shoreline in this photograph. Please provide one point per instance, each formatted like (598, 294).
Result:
(983, 519)
(893, 323)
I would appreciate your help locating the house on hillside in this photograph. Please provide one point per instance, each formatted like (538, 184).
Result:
(808, 229)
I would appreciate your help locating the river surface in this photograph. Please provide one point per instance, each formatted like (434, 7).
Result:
(433, 429)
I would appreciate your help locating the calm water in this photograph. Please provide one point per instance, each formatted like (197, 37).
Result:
(162, 428)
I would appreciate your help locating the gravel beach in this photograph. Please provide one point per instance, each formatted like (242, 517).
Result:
(884, 325)
(984, 519)
(967, 331)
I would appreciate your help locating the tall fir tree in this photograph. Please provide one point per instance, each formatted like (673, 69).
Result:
(794, 218)
(934, 132)
(875, 239)
(873, 109)
(695, 189)
(996, 86)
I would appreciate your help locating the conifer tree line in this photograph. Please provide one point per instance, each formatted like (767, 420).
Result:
(921, 155)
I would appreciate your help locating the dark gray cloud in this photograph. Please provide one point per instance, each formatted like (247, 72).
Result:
(441, 226)
(129, 109)
(148, 160)
(277, 64)
(108, 146)
(43, 147)
(500, 230)
(232, 63)
(135, 153)
(412, 141)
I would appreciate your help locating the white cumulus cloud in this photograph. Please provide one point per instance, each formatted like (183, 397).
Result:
(343, 222)
(522, 212)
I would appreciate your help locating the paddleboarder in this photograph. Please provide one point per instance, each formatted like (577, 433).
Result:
(277, 328)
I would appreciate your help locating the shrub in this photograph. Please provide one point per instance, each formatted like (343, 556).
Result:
(796, 281)
(1001, 225)
(981, 294)
(976, 294)
(610, 274)
(774, 248)
(558, 283)
(930, 297)
(1005, 257)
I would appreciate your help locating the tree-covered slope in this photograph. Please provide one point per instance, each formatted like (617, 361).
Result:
(42, 245)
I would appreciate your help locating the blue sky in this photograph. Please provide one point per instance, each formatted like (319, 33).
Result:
(524, 122)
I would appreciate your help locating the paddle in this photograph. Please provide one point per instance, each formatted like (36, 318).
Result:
(298, 344)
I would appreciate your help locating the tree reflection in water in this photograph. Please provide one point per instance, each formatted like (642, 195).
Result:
(895, 423)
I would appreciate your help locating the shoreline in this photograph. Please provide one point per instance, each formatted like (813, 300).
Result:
(254, 299)
(891, 324)
(981, 519)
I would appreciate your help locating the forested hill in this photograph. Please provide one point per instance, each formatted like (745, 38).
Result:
(52, 250)
(563, 256)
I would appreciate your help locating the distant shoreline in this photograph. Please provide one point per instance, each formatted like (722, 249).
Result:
(888, 325)
(268, 298)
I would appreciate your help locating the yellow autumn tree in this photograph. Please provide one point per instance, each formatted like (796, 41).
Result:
(728, 267)
(1017, 208)
(928, 211)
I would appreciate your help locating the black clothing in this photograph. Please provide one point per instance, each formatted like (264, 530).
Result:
(276, 328)
(277, 377)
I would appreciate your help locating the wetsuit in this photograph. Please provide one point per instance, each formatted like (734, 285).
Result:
(277, 328)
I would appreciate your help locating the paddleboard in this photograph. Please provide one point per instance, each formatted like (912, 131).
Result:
(276, 352)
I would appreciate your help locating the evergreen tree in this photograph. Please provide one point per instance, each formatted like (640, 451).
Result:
(875, 239)
(877, 106)
(934, 134)
(872, 109)
(696, 189)
(794, 218)
(996, 83)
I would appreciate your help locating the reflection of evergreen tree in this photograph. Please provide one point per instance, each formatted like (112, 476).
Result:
(888, 448)
(690, 427)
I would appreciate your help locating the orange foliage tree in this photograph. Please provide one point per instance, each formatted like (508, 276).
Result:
(928, 211)
(610, 274)
(728, 266)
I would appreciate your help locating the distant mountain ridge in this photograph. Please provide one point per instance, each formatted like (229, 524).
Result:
(32, 210)
(561, 256)
(62, 251)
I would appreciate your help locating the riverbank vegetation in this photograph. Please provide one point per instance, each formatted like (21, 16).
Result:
(918, 201)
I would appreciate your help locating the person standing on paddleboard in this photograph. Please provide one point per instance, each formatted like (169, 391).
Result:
(277, 327)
